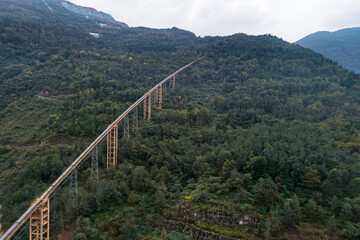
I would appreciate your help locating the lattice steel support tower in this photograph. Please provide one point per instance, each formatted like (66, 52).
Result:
(172, 82)
(126, 127)
(95, 164)
(147, 107)
(40, 222)
(158, 97)
(112, 147)
(73, 188)
(136, 119)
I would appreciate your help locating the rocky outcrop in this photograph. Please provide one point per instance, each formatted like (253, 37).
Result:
(200, 224)
(194, 231)
(221, 218)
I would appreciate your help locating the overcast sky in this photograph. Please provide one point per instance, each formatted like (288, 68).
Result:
(288, 19)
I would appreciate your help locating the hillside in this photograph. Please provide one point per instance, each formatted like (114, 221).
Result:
(259, 140)
(341, 46)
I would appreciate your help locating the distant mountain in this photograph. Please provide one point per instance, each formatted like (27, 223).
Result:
(342, 46)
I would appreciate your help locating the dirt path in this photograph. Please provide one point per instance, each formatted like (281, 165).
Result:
(35, 145)
(50, 99)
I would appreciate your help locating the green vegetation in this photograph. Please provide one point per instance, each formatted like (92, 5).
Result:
(260, 139)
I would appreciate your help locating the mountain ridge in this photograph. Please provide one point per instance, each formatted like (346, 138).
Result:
(342, 46)
(93, 13)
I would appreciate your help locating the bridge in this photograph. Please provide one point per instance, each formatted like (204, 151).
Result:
(39, 210)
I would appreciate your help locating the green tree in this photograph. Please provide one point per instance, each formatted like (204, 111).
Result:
(131, 198)
(228, 167)
(257, 166)
(310, 178)
(271, 226)
(292, 211)
(160, 198)
(266, 192)
(354, 187)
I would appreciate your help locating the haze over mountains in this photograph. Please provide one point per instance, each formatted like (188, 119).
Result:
(342, 46)
(258, 140)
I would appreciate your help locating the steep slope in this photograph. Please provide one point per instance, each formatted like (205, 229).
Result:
(32, 23)
(105, 19)
(59, 8)
(341, 46)
(259, 140)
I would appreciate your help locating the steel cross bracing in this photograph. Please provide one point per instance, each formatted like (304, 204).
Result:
(45, 195)
(172, 82)
(126, 127)
(147, 107)
(153, 98)
(95, 163)
(136, 119)
(73, 187)
(158, 97)
(40, 222)
(112, 147)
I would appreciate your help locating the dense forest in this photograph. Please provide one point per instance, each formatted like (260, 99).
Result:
(260, 139)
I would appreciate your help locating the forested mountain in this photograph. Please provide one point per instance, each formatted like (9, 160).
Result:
(259, 140)
(342, 46)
